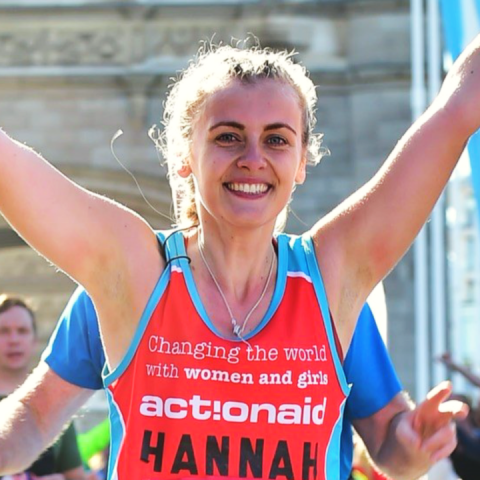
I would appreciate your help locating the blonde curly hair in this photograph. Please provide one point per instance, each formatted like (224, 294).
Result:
(212, 69)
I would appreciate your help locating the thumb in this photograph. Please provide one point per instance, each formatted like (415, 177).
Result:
(405, 432)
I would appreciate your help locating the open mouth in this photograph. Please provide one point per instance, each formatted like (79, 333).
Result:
(253, 189)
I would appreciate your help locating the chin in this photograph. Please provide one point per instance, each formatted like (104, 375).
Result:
(252, 224)
(18, 366)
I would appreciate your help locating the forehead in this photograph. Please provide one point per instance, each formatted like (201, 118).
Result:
(265, 101)
(16, 317)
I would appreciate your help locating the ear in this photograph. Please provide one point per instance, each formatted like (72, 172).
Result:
(185, 170)
(301, 174)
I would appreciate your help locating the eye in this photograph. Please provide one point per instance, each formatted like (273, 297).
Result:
(227, 138)
(277, 141)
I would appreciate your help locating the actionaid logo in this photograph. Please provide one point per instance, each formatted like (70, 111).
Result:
(236, 412)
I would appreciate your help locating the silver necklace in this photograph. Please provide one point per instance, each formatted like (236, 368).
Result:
(237, 329)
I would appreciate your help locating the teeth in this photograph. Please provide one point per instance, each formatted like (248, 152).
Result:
(248, 187)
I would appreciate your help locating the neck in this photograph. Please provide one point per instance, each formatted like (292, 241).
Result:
(240, 263)
(235, 277)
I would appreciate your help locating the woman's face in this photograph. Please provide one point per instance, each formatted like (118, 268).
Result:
(247, 152)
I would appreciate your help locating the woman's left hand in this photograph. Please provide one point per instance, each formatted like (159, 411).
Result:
(429, 429)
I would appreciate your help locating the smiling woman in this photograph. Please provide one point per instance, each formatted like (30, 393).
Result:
(213, 69)
(238, 134)
(258, 157)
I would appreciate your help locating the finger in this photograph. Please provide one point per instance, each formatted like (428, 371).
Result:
(447, 412)
(427, 413)
(458, 409)
(438, 440)
(444, 451)
(434, 423)
(439, 393)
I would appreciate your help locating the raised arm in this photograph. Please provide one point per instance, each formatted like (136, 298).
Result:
(105, 247)
(79, 231)
(361, 241)
(34, 415)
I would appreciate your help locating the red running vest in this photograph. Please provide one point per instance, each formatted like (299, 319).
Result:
(186, 403)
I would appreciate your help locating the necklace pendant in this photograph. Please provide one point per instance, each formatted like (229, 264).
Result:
(236, 328)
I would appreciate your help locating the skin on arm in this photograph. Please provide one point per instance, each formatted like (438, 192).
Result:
(81, 222)
(65, 222)
(363, 239)
(374, 429)
(34, 415)
(406, 442)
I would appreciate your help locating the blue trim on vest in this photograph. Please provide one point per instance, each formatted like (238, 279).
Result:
(316, 276)
(197, 302)
(117, 428)
(333, 455)
(109, 377)
(297, 260)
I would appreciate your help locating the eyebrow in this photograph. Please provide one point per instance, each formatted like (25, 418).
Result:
(276, 126)
(239, 126)
(236, 125)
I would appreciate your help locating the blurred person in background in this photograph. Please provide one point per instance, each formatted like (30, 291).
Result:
(363, 468)
(18, 340)
(94, 446)
(466, 457)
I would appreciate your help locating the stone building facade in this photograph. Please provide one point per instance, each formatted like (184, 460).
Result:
(74, 72)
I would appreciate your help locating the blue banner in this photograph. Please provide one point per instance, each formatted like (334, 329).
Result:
(461, 22)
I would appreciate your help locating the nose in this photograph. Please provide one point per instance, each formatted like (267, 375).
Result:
(13, 338)
(252, 158)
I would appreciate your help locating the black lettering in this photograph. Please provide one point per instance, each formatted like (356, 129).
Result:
(281, 456)
(156, 450)
(217, 455)
(309, 462)
(185, 449)
(251, 458)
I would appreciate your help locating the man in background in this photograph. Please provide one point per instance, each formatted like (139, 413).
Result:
(18, 338)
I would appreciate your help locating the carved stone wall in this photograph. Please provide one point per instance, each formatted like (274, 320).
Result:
(71, 76)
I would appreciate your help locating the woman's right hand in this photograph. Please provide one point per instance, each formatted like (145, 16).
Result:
(460, 92)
